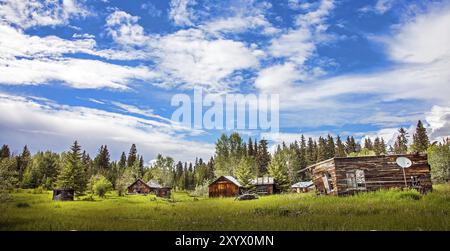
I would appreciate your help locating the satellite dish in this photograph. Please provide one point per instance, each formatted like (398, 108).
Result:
(404, 162)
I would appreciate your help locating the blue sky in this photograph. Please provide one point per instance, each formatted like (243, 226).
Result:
(104, 71)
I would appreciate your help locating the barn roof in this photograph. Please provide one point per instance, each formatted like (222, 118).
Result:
(230, 178)
(234, 180)
(153, 184)
(137, 181)
(303, 184)
(263, 181)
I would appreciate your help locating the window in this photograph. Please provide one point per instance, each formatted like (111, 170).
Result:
(356, 179)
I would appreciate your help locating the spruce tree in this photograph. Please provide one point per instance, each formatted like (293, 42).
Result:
(368, 144)
(132, 155)
(5, 152)
(141, 165)
(244, 173)
(401, 143)
(23, 161)
(263, 157)
(330, 147)
(322, 150)
(250, 151)
(72, 175)
(123, 161)
(310, 152)
(102, 160)
(420, 138)
(279, 171)
(340, 148)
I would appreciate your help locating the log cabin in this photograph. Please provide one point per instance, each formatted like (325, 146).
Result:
(140, 187)
(350, 175)
(224, 186)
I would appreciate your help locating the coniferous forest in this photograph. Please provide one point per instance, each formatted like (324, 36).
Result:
(242, 158)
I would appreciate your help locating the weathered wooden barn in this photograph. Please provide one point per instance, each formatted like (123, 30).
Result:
(264, 185)
(349, 175)
(302, 187)
(224, 186)
(139, 187)
(63, 194)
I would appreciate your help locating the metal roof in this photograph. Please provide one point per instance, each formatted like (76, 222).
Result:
(153, 184)
(303, 184)
(263, 181)
(234, 180)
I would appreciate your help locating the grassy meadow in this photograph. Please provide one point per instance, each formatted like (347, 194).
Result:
(382, 210)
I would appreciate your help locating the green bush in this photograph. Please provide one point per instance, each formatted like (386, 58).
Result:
(100, 185)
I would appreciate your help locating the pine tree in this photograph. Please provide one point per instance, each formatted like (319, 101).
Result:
(244, 173)
(279, 171)
(340, 148)
(401, 144)
(72, 174)
(330, 147)
(310, 152)
(5, 152)
(263, 157)
(178, 175)
(250, 151)
(368, 144)
(123, 161)
(132, 155)
(210, 169)
(322, 150)
(23, 161)
(102, 160)
(350, 145)
(420, 138)
(141, 166)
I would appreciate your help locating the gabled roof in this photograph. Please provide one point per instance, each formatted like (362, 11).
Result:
(229, 178)
(137, 181)
(153, 184)
(303, 184)
(263, 181)
(234, 180)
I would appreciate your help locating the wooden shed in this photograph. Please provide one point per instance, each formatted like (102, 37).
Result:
(63, 194)
(264, 185)
(349, 175)
(139, 187)
(302, 187)
(164, 192)
(224, 186)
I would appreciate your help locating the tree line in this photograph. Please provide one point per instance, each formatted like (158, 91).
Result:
(244, 159)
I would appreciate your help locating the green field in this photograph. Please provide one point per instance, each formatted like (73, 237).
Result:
(383, 210)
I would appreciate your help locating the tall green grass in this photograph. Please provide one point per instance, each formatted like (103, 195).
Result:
(382, 210)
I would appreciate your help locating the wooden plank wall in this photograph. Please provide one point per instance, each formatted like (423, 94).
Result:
(379, 172)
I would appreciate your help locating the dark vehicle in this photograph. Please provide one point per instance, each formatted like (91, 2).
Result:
(247, 197)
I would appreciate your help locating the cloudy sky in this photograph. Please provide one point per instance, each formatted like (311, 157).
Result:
(104, 71)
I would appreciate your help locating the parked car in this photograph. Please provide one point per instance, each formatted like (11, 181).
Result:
(247, 196)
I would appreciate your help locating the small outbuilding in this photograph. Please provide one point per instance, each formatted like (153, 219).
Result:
(349, 175)
(154, 186)
(264, 185)
(164, 192)
(63, 194)
(302, 187)
(224, 186)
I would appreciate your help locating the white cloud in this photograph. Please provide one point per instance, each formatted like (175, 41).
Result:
(273, 78)
(124, 29)
(189, 58)
(26, 14)
(181, 12)
(423, 39)
(439, 120)
(380, 7)
(52, 126)
(78, 73)
(297, 45)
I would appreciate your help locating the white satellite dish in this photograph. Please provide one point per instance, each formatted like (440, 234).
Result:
(403, 162)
